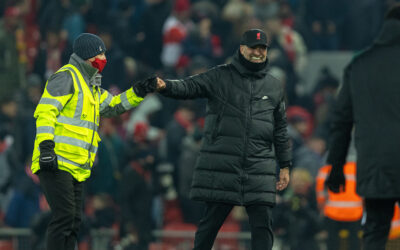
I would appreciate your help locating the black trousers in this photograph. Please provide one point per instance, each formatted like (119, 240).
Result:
(379, 213)
(215, 214)
(64, 195)
(343, 235)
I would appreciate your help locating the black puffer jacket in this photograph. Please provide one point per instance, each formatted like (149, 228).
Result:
(245, 130)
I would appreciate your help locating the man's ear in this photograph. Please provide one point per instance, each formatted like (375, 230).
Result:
(242, 48)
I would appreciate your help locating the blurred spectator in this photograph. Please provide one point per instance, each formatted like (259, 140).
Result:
(106, 171)
(12, 52)
(134, 70)
(31, 95)
(175, 30)
(104, 213)
(342, 211)
(5, 169)
(323, 98)
(39, 227)
(191, 210)
(201, 42)
(121, 23)
(325, 88)
(141, 114)
(297, 215)
(310, 155)
(14, 124)
(136, 194)
(265, 9)
(74, 23)
(205, 9)
(176, 130)
(286, 52)
(50, 54)
(149, 37)
(114, 73)
(363, 22)
(286, 14)
(236, 14)
(24, 200)
(39, 224)
(300, 125)
(325, 21)
(52, 14)
(291, 41)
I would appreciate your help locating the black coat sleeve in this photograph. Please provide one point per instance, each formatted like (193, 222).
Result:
(342, 124)
(281, 138)
(197, 86)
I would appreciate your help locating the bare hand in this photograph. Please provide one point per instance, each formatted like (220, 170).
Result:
(160, 84)
(283, 179)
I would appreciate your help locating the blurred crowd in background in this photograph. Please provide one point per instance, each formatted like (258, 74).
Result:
(141, 179)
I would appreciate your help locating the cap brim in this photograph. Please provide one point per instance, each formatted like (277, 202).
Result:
(251, 45)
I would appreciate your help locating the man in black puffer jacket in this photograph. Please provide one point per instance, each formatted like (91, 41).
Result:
(245, 132)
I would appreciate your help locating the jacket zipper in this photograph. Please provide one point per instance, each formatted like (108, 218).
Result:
(248, 117)
(217, 122)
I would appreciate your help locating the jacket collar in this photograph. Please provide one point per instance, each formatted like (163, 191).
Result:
(245, 72)
(89, 73)
(390, 33)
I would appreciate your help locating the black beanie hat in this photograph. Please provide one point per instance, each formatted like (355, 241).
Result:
(88, 45)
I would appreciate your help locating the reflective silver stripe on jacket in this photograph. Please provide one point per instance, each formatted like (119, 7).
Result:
(395, 223)
(53, 102)
(44, 130)
(106, 102)
(86, 166)
(124, 101)
(344, 203)
(350, 177)
(74, 142)
(76, 122)
(79, 105)
(322, 175)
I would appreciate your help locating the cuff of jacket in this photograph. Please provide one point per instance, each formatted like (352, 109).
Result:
(168, 86)
(133, 99)
(286, 164)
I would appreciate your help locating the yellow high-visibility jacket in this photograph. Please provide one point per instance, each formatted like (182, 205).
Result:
(69, 113)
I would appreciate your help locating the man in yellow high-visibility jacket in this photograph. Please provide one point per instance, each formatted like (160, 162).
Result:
(67, 121)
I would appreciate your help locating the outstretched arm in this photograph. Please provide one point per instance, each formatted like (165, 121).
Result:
(197, 86)
(342, 126)
(115, 105)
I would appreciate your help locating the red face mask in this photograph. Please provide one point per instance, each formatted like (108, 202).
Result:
(99, 64)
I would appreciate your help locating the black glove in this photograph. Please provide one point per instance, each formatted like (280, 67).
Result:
(143, 87)
(336, 180)
(47, 158)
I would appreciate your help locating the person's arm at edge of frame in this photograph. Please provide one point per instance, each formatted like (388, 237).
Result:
(340, 135)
